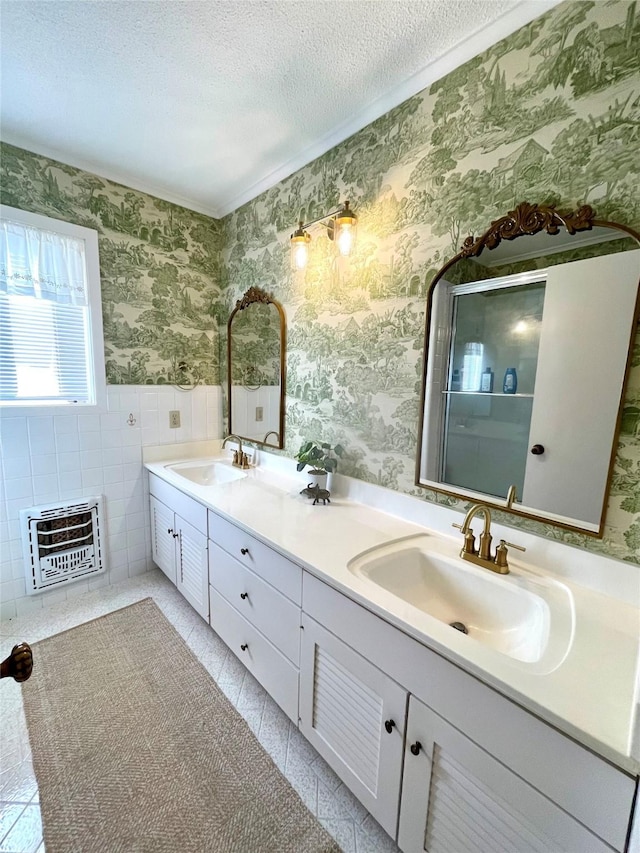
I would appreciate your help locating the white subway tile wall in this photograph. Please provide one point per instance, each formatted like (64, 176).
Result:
(48, 458)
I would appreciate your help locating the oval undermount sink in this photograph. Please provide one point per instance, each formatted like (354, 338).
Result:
(207, 473)
(525, 616)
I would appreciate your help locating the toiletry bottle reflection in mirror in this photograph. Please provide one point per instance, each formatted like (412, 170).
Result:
(486, 382)
(510, 384)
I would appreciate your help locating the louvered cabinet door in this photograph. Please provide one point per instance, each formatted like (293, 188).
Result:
(192, 567)
(163, 550)
(457, 797)
(344, 704)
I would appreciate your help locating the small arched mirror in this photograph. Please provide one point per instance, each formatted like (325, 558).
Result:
(256, 358)
(529, 334)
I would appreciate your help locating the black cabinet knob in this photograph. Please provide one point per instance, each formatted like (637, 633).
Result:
(169, 529)
(175, 535)
(389, 725)
(537, 449)
(244, 647)
(244, 595)
(415, 747)
(244, 550)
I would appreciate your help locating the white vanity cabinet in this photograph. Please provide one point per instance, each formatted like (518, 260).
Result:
(456, 796)
(441, 759)
(255, 595)
(354, 715)
(479, 754)
(179, 542)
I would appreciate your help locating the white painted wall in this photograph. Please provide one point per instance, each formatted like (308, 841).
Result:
(55, 457)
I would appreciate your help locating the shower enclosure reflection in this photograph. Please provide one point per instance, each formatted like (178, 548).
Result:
(496, 329)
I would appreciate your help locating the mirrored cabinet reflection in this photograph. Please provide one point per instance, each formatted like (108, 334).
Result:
(528, 346)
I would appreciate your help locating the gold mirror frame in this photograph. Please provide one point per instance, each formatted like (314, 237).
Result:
(255, 295)
(525, 220)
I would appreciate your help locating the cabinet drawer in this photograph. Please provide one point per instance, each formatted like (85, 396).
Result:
(190, 510)
(277, 675)
(281, 573)
(595, 792)
(262, 605)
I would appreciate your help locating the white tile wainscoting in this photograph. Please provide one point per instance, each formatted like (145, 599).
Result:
(53, 457)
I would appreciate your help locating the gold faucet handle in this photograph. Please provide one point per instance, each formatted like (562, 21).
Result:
(469, 546)
(512, 545)
(501, 553)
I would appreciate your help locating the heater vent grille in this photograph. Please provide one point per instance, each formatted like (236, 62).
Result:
(62, 543)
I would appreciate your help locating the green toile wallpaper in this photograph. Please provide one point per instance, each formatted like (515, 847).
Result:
(551, 114)
(159, 266)
(255, 350)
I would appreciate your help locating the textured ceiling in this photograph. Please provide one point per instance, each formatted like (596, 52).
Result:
(208, 103)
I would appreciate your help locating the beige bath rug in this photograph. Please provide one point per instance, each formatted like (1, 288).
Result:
(136, 750)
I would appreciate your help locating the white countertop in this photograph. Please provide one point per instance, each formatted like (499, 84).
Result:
(591, 695)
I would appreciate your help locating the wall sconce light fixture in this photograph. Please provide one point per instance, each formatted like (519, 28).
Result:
(341, 228)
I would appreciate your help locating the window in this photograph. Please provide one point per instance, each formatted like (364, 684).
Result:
(51, 343)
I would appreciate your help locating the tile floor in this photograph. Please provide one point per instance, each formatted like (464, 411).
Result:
(318, 786)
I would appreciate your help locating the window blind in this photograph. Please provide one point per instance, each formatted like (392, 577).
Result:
(45, 323)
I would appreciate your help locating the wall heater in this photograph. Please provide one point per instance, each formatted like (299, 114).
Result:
(62, 543)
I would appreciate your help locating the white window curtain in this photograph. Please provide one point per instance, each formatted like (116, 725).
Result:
(42, 264)
(44, 318)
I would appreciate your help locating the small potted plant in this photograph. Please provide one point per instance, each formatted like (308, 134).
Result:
(321, 458)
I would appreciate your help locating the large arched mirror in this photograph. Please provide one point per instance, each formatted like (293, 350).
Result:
(529, 334)
(255, 360)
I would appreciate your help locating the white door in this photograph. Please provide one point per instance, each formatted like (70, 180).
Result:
(584, 338)
(163, 548)
(192, 566)
(354, 715)
(457, 797)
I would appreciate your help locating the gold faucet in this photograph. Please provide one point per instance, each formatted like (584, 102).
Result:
(271, 432)
(240, 458)
(482, 557)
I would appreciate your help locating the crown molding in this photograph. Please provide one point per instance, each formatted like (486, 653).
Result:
(474, 44)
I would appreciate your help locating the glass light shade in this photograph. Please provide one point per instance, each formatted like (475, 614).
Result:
(299, 249)
(345, 227)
